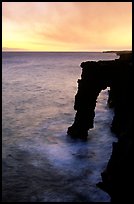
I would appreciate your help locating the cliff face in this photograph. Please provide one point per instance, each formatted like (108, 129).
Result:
(96, 76)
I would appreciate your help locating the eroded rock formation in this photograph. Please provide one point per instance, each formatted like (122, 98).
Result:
(117, 179)
(95, 77)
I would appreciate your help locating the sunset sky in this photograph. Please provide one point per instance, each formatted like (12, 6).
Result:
(66, 26)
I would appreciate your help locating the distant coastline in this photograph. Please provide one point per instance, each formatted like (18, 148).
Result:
(119, 52)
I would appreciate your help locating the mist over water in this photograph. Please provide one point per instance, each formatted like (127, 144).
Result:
(40, 162)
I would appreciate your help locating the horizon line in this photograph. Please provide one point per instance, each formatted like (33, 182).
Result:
(66, 51)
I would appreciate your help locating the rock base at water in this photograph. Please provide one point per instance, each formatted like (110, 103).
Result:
(117, 179)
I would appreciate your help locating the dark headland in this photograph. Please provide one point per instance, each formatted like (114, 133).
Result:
(97, 76)
(119, 52)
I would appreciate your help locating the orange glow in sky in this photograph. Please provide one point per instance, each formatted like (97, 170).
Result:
(66, 26)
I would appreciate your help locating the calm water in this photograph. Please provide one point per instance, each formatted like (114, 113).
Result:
(40, 163)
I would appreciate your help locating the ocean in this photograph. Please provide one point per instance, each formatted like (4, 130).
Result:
(40, 163)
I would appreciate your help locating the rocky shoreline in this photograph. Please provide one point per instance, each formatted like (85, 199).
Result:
(95, 77)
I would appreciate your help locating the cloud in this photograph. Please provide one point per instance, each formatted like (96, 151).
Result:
(12, 49)
(67, 23)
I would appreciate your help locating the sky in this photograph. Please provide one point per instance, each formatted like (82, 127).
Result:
(66, 26)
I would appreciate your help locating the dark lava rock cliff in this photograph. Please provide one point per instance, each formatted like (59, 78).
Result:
(118, 76)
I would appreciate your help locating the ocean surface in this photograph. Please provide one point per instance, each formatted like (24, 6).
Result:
(40, 163)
